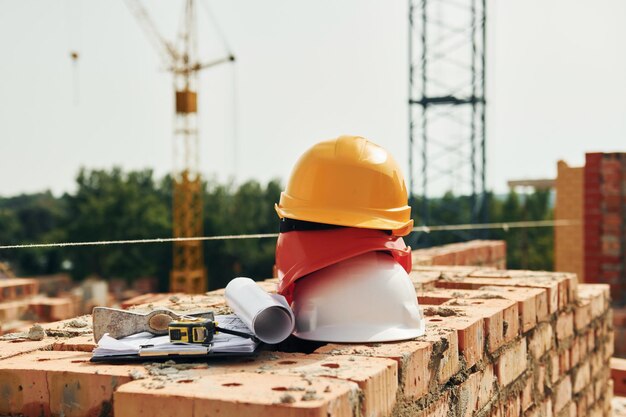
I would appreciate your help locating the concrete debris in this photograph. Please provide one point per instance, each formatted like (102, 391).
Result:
(441, 311)
(77, 323)
(287, 399)
(135, 375)
(310, 395)
(36, 332)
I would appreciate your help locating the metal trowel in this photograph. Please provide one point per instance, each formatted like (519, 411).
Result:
(120, 323)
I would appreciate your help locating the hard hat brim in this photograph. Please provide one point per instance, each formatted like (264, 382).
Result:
(301, 253)
(361, 334)
(348, 218)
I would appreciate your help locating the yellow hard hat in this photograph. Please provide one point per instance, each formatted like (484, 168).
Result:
(348, 181)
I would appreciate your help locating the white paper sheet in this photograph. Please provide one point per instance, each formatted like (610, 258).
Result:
(147, 343)
(268, 316)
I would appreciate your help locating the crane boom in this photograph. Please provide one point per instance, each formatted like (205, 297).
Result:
(165, 49)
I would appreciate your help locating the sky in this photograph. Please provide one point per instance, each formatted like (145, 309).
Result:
(306, 71)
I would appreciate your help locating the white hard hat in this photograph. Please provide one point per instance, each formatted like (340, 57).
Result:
(368, 298)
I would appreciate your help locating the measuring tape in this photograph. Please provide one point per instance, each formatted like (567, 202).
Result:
(199, 331)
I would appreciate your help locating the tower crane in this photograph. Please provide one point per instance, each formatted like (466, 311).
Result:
(181, 58)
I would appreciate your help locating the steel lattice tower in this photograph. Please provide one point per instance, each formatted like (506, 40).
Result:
(447, 102)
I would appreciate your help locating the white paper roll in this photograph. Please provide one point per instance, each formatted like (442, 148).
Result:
(268, 316)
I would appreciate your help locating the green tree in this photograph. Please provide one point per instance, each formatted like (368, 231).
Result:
(111, 205)
(32, 218)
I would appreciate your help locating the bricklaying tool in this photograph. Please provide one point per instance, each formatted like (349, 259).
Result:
(199, 330)
(120, 323)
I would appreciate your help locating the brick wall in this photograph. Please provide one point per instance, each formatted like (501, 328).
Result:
(21, 304)
(498, 343)
(488, 253)
(568, 240)
(605, 217)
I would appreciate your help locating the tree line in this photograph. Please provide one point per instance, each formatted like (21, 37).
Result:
(117, 205)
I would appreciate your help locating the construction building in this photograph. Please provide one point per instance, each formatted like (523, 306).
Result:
(498, 342)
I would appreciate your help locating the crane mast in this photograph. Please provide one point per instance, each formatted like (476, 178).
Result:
(189, 273)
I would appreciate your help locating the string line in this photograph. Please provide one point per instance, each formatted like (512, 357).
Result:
(423, 229)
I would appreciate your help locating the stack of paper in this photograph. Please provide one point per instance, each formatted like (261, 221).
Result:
(147, 344)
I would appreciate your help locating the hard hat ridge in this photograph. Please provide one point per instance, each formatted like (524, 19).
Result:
(348, 181)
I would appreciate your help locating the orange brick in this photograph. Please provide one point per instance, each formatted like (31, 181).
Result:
(377, 378)
(239, 394)
(596, 362)
(609, 346)
(501, 318)
(565, 363)
(59, 383)
(83, 343)
(511, 363)
(574, 352)
(480, 279)
(540, 379)
(15, 288)
(565, 326)
(438, 408)
(581, 377)
(531, 301)
(182, 302)
(546, 408)
(600, 384)
(424, 279)
(582, 314)
(527, 395)
(581, 405)
(415, 358)
(478, 389)
(13, 310)
(540, 341)
(562, 394)
(10, 348)
(52, 309)
(513, 406)
(470, 333)
(555, 371)
(598, 296)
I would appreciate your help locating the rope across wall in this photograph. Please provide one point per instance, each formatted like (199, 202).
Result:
(421, 229)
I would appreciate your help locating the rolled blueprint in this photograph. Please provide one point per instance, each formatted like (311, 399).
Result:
(268, 316)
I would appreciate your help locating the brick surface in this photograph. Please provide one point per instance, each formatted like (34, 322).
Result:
(597, 295)
(532, 302)
(565, 325)
(477, 389)
(49, 383)
(239, 394)
(581, 377)
(482, 278)
(563, 394)
(582, 315)
(540, 341)
(471, 334)
(512, 363)
(548, 344)
(501, 319)
(376, 378)
(476, 253)
(428, 361)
